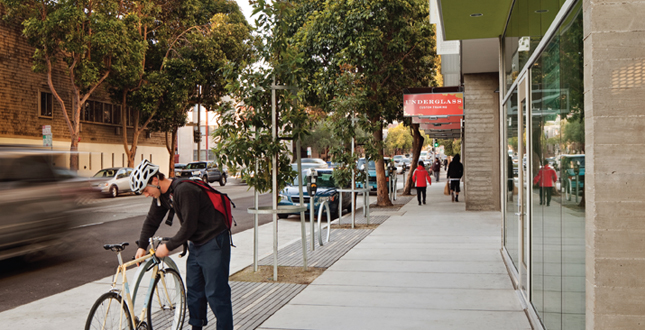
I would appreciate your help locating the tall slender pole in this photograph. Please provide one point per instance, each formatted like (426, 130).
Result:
(274, 190)
(303, 228)
(353, 179)
(256, 240)
(199, 124)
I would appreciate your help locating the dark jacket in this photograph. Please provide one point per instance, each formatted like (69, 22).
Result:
(436, 166)
(455, 169)
(199, 221)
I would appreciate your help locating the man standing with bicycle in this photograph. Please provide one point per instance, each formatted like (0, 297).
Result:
(207, 234)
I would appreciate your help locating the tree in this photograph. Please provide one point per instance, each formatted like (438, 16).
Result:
(188, 43)
(398, 140)
(90, 39)
(320, 137)
(244, 135)
(368, 51)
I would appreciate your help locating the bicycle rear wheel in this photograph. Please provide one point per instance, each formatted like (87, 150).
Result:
(167, 304)
(108, 314)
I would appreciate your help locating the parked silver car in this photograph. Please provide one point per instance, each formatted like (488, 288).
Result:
(112, 181)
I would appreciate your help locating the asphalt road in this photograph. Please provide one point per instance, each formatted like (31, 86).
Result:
(81, 258)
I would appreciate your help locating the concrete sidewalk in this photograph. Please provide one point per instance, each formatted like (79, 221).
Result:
(433, 266)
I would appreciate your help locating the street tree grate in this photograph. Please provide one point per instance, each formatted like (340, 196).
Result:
(341, 241)
(254, 303)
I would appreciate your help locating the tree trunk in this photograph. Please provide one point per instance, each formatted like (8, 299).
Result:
(171, 146)
(382, 194)
(417, 144)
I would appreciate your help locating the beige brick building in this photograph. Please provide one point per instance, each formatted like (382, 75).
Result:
(26, 105)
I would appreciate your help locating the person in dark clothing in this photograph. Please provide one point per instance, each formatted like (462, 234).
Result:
(208, 237)
(445, 164)
(455, 172)
(436, 168)
(420, 177)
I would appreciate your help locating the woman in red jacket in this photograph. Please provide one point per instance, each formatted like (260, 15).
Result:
(546, 177)
(420, 177)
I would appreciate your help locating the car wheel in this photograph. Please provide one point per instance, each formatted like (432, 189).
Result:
(114, 191)
(222, 181)
(283, 216)
(205, 178)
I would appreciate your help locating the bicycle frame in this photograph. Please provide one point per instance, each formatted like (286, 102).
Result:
(125, 288)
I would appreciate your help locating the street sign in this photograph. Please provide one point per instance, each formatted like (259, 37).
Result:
(47, 135)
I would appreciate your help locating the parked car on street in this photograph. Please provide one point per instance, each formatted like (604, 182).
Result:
(37, 199)
(572, 175)
(399, 163)
(178, 168)
(206, 171)
(313, 162)
(112, 181)
(372, 173)
(327, 192)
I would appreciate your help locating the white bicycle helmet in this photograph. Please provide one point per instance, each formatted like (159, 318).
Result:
(142, 174)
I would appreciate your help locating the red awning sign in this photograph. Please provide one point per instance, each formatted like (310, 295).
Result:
(438, 104)
(440, 127)
(451, 119)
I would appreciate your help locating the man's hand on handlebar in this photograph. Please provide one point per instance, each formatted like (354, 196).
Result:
(140, 253)
(162, 251)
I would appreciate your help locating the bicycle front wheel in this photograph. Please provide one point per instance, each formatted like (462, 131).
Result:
(167, 303)
(108, 314)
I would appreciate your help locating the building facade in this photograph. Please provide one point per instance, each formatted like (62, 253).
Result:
(27, 105)
(569, 119)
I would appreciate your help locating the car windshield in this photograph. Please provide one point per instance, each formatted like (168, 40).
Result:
(107, 173)
(568, 161)
(196, 166)
(361, 163)
(397, 157)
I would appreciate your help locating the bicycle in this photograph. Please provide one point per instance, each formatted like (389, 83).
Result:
(165, 304)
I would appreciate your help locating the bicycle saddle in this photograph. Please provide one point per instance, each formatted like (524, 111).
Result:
(116, 247)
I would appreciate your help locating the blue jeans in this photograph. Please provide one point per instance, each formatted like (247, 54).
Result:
(207, 271)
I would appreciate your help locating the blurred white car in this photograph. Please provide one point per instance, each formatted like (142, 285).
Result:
(112, 181)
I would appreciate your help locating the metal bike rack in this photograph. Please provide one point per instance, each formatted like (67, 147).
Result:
(320, 212)
(364, 191)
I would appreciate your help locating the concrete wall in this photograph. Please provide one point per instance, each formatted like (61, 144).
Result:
(481, 142)
(614, 48)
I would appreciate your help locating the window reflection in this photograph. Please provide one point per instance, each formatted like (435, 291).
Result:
(557, 149)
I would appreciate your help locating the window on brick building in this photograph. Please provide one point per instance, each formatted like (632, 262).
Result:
(46, 105)
(107, 113)
(116, 114)
(97, 107)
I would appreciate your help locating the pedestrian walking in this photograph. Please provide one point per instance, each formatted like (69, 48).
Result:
(436, 168)
(545, 178)
(204, 228)
(445, 163)
(420, 177)
(455, 172)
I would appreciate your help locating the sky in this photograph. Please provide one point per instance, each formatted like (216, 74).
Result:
(246, 9)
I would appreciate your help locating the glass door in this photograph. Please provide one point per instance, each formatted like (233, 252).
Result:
(524, 184)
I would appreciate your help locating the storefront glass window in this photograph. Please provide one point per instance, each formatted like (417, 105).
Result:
(529, 21)
(557, 167)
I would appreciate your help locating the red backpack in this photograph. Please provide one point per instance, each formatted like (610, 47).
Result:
(221, 202)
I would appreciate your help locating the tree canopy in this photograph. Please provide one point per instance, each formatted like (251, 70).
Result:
(358, 56)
